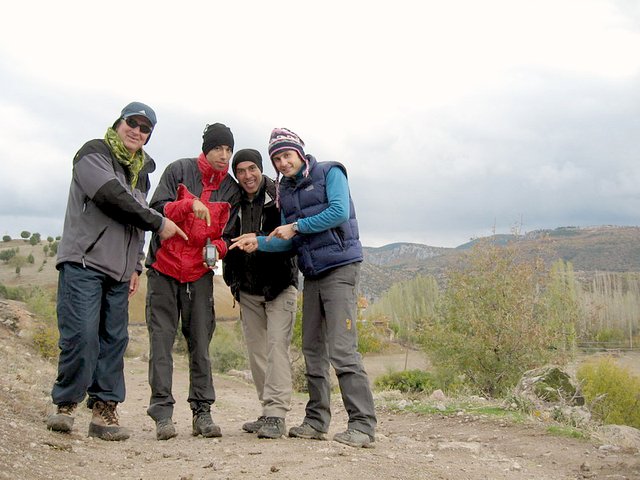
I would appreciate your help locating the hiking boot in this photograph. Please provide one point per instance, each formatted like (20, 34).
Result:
(354, 438)
(253, 427)
(62, 420)
(306, 431)
(165, 429)
(104, 423)
(273, 427)
(203, 424)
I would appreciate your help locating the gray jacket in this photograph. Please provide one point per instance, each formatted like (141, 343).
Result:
(105, 220)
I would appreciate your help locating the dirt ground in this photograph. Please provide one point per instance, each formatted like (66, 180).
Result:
(408, 446)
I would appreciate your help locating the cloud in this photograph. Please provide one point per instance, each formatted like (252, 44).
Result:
(453, 118)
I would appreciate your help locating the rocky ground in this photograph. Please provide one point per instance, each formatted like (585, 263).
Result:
(409, 446)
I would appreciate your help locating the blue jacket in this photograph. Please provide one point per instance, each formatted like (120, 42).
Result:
(301, 198)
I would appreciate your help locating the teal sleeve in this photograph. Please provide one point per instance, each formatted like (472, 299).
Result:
(274, 245)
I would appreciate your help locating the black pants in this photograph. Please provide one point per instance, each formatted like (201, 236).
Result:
(168, 302)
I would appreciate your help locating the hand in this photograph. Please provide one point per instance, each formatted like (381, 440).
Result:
(285, 232)
(170, 229)
(201, 211)
(247, 243)
(133, 284)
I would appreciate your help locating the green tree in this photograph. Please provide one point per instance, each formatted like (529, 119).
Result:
(30, 258)
(25, 234)
(495, 320)
(49, 239)
(408, 306)
(6, 255)
(6, 238)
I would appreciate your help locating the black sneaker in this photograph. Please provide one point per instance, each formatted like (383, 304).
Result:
(253, 427)
(273, 427)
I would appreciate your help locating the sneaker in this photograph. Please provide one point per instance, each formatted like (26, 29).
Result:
(203, 424)
(104, 423)
(253, 427)
(354, 438)
(62, 420)
(165, 429)
(306, 431)
(273, 427)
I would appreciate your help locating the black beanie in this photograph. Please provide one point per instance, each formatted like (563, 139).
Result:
(246, 155)
(216, 135)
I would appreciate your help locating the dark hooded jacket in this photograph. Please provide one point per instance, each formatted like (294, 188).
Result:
(259, 273)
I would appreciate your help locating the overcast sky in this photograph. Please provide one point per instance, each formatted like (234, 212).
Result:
(454, 119)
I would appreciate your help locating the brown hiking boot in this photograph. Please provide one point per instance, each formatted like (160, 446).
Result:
(104, 424)
(62, 420)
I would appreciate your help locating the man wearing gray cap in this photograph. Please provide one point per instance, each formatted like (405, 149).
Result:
(99, 260)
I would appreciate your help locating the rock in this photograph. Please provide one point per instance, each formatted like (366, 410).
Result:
(548, 384)
(619, 436)
(575, 416)
(438, 396)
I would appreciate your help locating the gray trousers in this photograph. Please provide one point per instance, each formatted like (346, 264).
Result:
(268, 327)
(168, 302)
(329, 336)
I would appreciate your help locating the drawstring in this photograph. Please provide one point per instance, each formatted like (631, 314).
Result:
(189, 290)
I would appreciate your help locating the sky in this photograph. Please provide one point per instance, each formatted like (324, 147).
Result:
(454, 119)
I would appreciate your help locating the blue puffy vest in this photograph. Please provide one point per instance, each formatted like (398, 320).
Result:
(301, 198)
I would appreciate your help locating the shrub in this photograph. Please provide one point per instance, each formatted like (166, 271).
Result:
(610, 335)
(6, 238)
(30, 258)
(18, 293)
(6, 255)
(370, 338)
(227, 349)
(408, 381)
(25, 234)
(611, 391)
(497, 320)
(45, 339)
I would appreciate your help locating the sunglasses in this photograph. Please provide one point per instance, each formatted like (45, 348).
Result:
(146, 129)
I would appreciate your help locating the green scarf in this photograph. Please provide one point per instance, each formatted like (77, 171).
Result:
(133, 162)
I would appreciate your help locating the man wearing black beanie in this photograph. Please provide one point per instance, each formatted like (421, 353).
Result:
(199, 194)
(264, 284)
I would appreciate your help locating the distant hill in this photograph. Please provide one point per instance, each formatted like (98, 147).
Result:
(589, 249)
(43, 273)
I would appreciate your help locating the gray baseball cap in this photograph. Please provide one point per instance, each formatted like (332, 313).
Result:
(137, 108)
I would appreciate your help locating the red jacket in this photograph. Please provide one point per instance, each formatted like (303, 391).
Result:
(183, 260)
